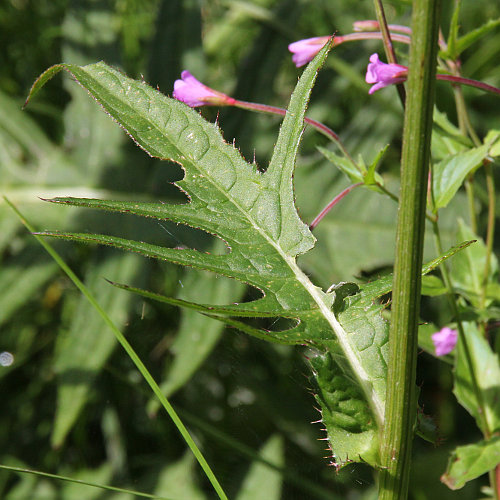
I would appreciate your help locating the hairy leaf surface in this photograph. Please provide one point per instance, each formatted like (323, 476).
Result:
(254, 213)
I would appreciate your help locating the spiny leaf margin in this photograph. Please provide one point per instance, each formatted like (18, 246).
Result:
(264, 237)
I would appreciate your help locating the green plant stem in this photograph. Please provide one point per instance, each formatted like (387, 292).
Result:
(400, 409)
(463, 117)
(469, 190)
(460, 107)
(131, 353)
(469, 182)
(490, 231)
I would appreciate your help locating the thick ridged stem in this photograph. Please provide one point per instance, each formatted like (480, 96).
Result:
(401, 386)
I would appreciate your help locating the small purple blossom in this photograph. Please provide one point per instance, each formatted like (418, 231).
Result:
(304, 50)
(444, 341)
(383, 74)
(192, 92)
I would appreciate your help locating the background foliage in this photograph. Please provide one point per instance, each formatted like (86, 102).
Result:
(74, 404)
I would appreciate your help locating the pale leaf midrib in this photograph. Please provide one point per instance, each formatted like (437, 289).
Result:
(360, 373)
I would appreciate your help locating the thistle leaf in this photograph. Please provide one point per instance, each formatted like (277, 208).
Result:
(253, 212)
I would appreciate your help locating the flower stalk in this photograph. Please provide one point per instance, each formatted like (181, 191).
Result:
(372, 25)
(196, 94)
(274, 110)
(331, 204)
(459, 80)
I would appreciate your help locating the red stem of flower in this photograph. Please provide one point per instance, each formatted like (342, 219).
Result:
(467, 81)
(330, 205)
(265, 108)
(351, 37)
(372, 25)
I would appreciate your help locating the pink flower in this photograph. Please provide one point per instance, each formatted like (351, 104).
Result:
(304, 50)
(192, 92)
(444, 341)
(383, 74)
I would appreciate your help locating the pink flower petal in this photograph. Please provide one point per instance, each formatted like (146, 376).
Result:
(194, 93)
(382, 74)
(444, 341)
(304, 50)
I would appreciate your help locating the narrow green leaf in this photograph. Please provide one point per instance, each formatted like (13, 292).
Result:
(25, 471)
(453, 33)
(261, 308)
(377, 288)
(261, 481)
(487, 373)
(343, 164)
(441, 120)
(470, 462)
(473, 36)
(43, 79)
(444, 145)
(372, 177)
(449, 174)
(287, 337)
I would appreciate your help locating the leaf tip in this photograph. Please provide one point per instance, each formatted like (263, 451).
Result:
(42, 79)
